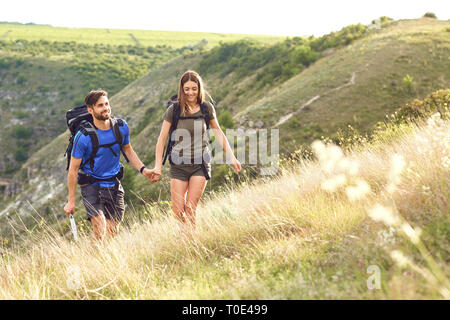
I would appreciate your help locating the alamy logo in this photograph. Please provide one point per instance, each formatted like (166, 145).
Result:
(74, 278)
(189, 148)
(374, 280)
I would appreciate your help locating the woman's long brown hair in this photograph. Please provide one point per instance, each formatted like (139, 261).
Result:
(190, 75)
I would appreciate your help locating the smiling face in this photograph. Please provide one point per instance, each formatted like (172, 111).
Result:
(101, 110)
(190, 89)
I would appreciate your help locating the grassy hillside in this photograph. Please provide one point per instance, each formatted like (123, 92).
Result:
(357, 84)
(357, 81)
(371, 223)
(124, 37)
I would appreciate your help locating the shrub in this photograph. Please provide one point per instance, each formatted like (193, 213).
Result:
(21, 132)
(21, 79)
(5, 63)
(430, 15)
(438, 101)
(226, 119)
(20, 154)
(382, 20)
(408, 83)
(20, 61)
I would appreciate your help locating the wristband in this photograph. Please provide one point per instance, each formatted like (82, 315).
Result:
(142, 168)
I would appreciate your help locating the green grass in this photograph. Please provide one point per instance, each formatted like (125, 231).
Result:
(116, 37)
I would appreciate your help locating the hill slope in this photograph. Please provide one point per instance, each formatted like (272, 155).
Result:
(357, 84)
(259, 241)
(46, 70)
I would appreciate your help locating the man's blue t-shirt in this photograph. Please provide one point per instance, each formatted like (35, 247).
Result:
(106, 164)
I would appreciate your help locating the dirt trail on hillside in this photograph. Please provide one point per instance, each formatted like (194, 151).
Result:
(290, 115)
(5, 34)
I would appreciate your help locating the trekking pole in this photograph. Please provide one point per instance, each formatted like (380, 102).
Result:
(73, 227)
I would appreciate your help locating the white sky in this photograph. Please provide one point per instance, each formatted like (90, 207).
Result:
(278, 17)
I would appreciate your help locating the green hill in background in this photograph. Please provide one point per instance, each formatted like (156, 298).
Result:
(46, 70)
(124, 37)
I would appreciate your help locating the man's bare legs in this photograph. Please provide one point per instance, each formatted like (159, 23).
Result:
(103, 227)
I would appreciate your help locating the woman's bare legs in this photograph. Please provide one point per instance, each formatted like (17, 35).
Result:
(195, 190)
(178, 190)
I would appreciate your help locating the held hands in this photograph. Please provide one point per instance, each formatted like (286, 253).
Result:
(153, 175)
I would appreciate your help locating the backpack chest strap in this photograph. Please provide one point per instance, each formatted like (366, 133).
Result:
(192, 117)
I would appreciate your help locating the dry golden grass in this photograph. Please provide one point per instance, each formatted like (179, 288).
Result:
(306, 233)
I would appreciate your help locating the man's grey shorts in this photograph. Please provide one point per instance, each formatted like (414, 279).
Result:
(107, 201)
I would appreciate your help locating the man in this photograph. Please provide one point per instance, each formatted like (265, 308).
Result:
(101, 190)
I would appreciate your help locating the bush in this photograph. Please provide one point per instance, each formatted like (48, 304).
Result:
(21, 79)
(20, 61)
(20, 154)
(20, 132)
(226, 119)
(5, 63)
(408, 83)
(438, 101)
(430, 15)
(383, 20)
(20, 114)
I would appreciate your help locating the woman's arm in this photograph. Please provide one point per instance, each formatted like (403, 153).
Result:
(223, 141)
(160, 150)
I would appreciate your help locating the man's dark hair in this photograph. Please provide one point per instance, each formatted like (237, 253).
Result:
(93, 96)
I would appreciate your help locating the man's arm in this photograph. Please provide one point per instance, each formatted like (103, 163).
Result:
(135, 162)
(72, 177)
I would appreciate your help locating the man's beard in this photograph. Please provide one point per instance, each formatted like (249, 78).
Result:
(101, 117)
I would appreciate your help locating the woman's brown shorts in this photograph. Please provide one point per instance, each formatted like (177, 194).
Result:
(185, 171)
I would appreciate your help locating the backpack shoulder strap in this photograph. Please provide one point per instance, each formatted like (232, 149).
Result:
(115, 124)
(175, 115)
(173, 126)
(88, 129)
(205, 112)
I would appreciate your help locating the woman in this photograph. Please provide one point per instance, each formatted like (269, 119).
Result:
(188, 173)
